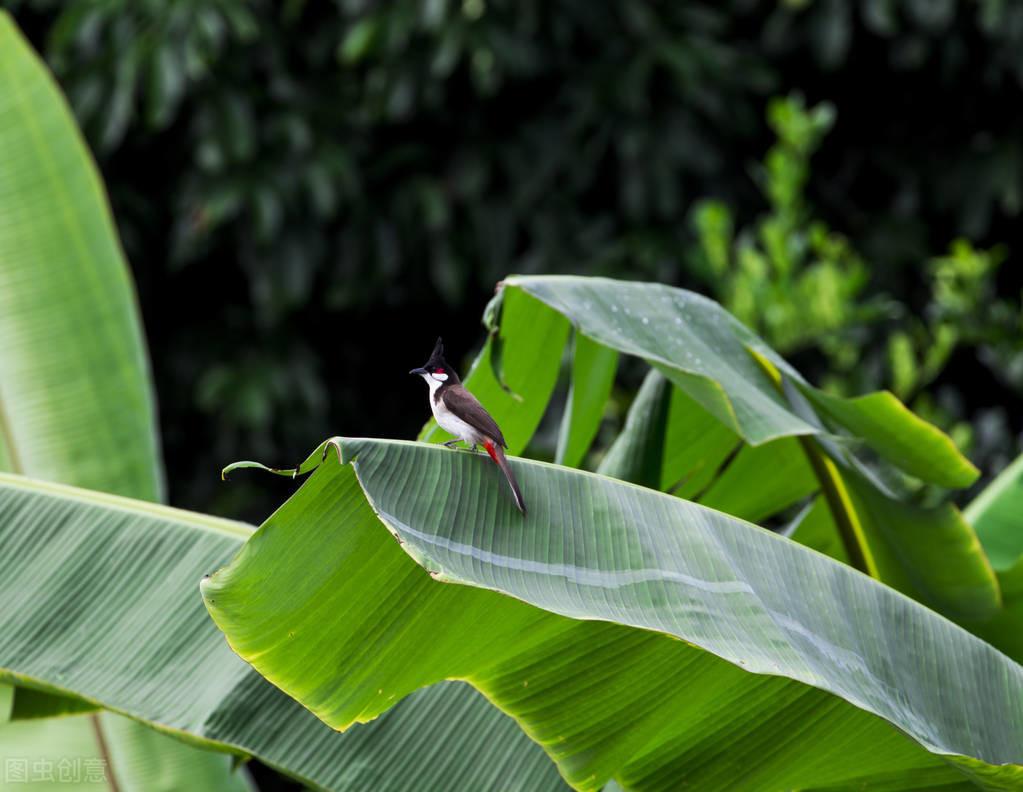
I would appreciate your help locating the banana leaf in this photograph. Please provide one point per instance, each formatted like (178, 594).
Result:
(77, 404)
(706, 352)
(737, 387)
(103, 604)
(634, 635)
(593, 374)
(997, 514)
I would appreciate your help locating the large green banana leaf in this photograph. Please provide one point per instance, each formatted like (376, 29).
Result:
(919, 551)
(593, 374)
(634, 635)
(102, 602)
(725, 394)
(74, 377)
(75, 399)
(997, 514)
(54, 754)
(706, 351)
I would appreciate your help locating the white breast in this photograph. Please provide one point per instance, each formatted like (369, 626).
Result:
(448, 421)
(452, 424)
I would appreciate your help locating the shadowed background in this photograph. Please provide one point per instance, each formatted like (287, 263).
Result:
(309, 193)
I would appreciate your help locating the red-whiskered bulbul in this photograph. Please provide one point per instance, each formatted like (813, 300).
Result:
(459, 413)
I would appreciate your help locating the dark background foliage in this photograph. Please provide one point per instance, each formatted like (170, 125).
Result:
(309, 193)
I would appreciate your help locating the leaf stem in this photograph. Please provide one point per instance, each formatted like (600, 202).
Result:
(842, 511)
(835, 493)
(104, 752)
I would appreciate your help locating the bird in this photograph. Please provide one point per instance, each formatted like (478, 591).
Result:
(460, 413)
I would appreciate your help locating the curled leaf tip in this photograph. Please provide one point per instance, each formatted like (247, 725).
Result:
(335, 443)
(307, 466)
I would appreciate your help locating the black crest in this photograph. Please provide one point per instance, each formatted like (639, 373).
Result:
(437, 363)
(437, 356)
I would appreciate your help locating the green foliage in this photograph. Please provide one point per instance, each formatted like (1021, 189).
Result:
(730, 440)
(964, 309)
(966, 314)
(789, 276)
(805, 288)
(447, 513)
(997, 512)
(182, 544)
(124, 575)
(293, 164)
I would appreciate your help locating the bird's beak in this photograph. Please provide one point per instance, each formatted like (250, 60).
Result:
(419, 371)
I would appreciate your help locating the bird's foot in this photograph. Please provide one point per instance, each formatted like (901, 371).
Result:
(451, 443)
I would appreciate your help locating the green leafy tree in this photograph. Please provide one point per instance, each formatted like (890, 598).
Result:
(806, 289)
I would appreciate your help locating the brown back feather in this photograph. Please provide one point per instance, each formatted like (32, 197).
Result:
(468, 408)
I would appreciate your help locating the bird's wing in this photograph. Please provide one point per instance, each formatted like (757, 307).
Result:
(468, 408)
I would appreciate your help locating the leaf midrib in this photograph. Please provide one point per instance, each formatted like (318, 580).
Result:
(769, 535)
